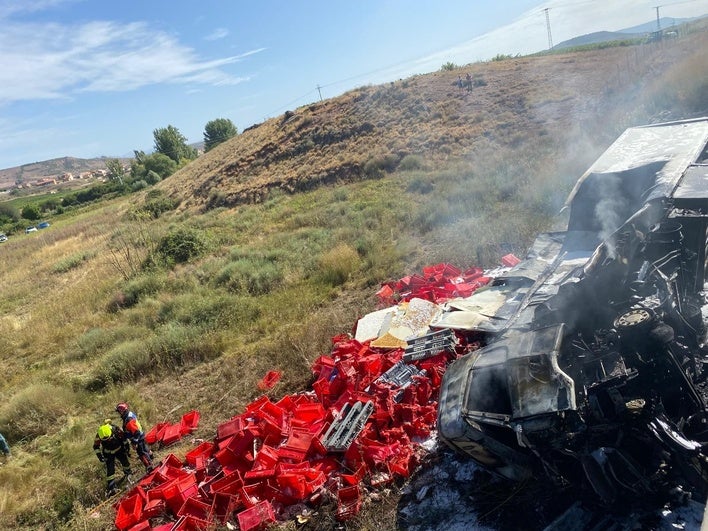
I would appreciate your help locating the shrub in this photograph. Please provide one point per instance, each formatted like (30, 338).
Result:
(135, 290)
(420, 184)
(377, 165)
(411, 162)
(31, 212)
(123, 363)
(448, 66)
(173, 347)
(181, 246)
(208, 311)
(338, 264)
(252, 275)
(176, 345)
(35, 410)
(136, 186)
(72, 262)
(157, 204)
(96, 341)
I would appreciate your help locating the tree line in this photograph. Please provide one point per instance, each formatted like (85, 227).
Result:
(171, 152)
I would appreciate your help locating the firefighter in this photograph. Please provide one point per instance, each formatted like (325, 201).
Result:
(110, 443)
(134, 433)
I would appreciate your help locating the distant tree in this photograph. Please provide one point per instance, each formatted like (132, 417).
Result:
(156, 163)
(31, 212)
(49, 204)
(8, 213)
(218, 131)
(169, 141)
(115, 169)
(162, 165)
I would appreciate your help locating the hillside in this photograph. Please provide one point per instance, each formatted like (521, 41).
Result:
(368, 129)
(251, 258)
(28, 173)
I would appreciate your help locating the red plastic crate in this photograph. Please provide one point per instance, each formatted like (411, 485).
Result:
(141, 526)
(204, 449)
(257, 517)
(252, 495)
(189, 523)
(130, 512)
(229, 428)
(171, 435)
(154, 508)
(176, 493)
(189, 422)
(155, 434)
(228, 484)
(223, 506)
(269, 380)
(348, 502)
(509, 260)
(195, 508)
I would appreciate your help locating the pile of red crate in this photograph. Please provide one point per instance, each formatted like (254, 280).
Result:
(358, 428)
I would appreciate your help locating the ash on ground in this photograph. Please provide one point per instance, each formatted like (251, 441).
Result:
(453, 493)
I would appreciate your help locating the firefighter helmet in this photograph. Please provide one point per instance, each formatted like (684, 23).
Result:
(105, 431)
(122, 408)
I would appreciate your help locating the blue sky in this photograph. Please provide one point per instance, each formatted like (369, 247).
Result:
(89, 78)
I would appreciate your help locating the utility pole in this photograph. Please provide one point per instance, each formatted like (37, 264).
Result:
(658, 20)
(548, 26)
(319, 92)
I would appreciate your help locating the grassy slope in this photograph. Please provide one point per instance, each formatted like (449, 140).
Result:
(417, 172)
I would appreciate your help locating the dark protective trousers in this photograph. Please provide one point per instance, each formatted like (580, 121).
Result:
(111, 466)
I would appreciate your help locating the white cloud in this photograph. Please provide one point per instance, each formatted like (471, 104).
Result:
(13, 7)
(218, 33)
(49, 61)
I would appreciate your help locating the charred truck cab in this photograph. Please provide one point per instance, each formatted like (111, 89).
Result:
(594, 368)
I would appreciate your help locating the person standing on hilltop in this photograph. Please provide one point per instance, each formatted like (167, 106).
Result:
(134, 433)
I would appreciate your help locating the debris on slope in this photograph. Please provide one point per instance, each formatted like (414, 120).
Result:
(359, 427)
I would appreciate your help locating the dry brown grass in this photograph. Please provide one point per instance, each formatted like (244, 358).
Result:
(331, 141)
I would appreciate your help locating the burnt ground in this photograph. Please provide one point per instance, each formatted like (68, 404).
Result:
(451, 492)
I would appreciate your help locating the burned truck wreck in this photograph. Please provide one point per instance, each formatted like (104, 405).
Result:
(594, 362)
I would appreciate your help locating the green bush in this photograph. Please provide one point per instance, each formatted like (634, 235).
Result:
(208, 311)
(181, 246)
(446, 67)
(72, 262)
(252, 275)
(35, 410)
(123, 363)
(176, 345)
(172, 347)
(157, 204)
(31, 212)
(96, 341)
(410, 163)
(136, 289)
(338, 264)
(377, 165)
